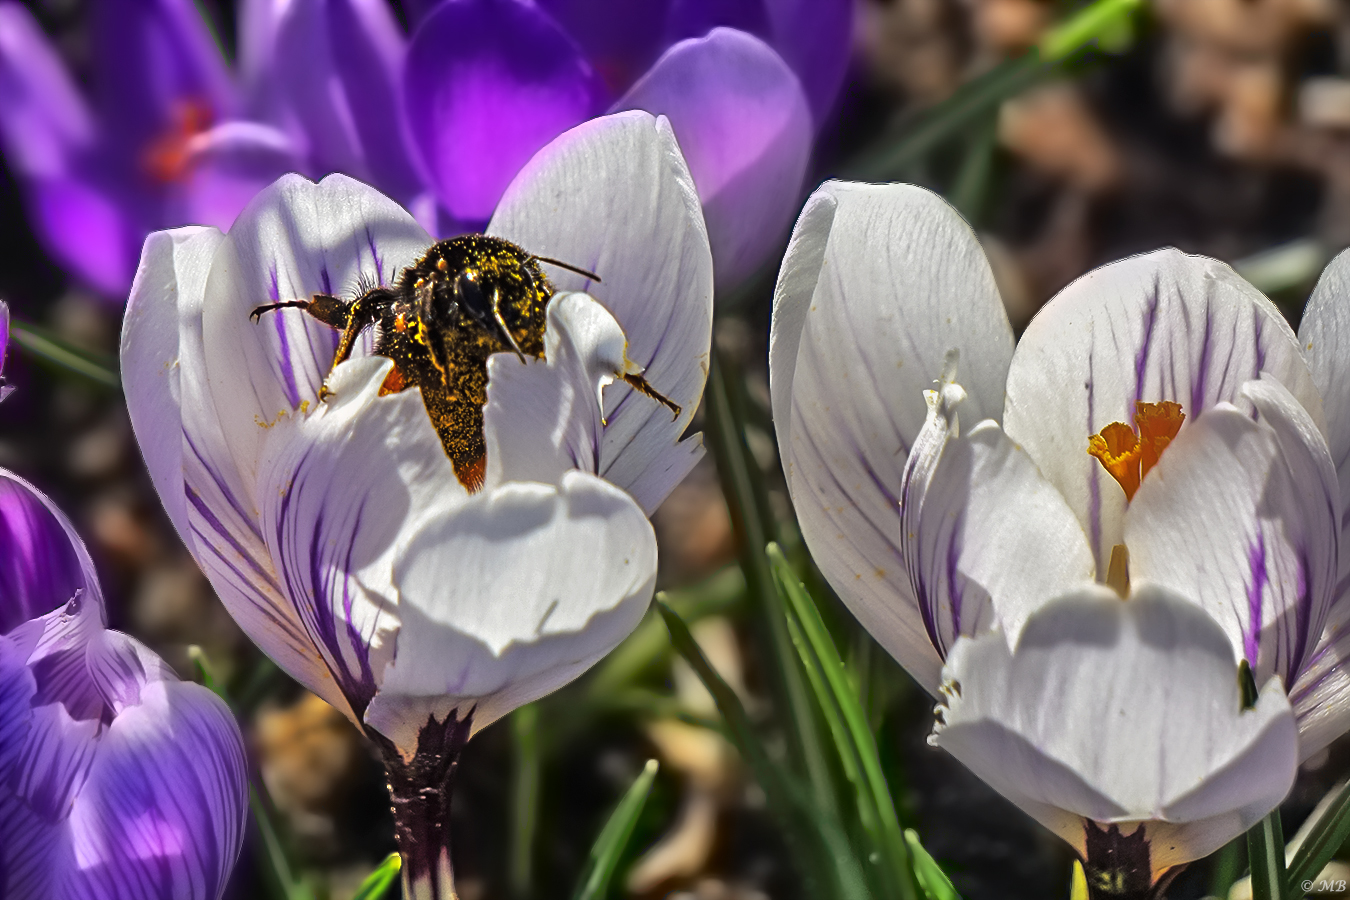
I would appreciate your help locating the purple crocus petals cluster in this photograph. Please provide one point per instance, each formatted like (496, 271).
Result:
(440, 120)
(117, 780)
(147, 146)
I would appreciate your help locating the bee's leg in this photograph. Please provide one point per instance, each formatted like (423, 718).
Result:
(641, 386)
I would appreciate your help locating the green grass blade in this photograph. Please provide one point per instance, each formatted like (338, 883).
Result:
(1265, 852)
(815, 839)
(39, 342)
(1327, 836)
(649, 644)
(524, 798)
(609, 846)
(849, 726)
(1098, 23)
(378, 882)
(742, 484)
(934, 882)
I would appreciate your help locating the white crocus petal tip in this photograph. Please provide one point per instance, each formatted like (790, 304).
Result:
(614, 196)
(481, 631)
(1121, 712)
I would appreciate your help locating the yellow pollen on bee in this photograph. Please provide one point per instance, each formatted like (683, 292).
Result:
(442, 264)
(1129, 453)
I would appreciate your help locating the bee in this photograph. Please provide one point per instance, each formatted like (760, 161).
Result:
(467, 298)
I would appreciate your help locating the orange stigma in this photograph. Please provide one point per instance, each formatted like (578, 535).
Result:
(169, 156)
(1128, 453)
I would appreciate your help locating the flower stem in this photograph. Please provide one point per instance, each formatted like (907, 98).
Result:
(419, 794)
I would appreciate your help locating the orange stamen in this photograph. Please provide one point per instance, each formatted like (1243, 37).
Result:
(168, 157)
(1129, 453)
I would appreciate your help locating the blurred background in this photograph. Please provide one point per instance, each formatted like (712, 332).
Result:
(1219, 126)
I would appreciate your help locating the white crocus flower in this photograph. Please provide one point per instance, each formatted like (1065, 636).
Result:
(335, 530)
(989, 552)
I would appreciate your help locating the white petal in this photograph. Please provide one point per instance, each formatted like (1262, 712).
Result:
(171, 278)
(1121, 712)
(174, 417)
(1241, 516)
(341, 485)
(879, 282)
(1324, 335)
(613, 196)
(986, 539)
(543, 418)
(1321, 695)
(511, 597)
(1162, 326)
(294, 240)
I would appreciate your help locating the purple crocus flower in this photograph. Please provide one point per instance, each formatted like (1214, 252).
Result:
(151, 145)
(440, 121)
(117, 780)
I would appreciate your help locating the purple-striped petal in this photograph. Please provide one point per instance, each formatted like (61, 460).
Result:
(17, 688)
(44, 563)
(333, 549)
(745, 130)
(154, 62)
(163, 809)
(1126, 713)
(486, 85)
(614, 197)
(621, 39)
(1324, 335)
(295, 239)
(986, 540)
(1241, 517)
(878, 284)
(1162, 326)
(44, 122)
(485, 634)
(1321, 695)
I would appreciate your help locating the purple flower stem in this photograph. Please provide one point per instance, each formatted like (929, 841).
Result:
(419, 793)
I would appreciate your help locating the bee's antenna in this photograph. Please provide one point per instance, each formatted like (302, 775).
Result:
(569, 267)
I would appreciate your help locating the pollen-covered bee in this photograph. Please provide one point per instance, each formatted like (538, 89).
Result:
(467, 298)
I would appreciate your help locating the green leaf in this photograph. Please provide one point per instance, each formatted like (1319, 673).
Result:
(934, 882)
(609, 846)
(1327, 835)
(1098, 23)
(1265, 853)
(649, 644)
(524, 798)
(847, 723)
(742, 484)
(1104, 23)
(378, 882)
(817, 842)
(44, 345)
